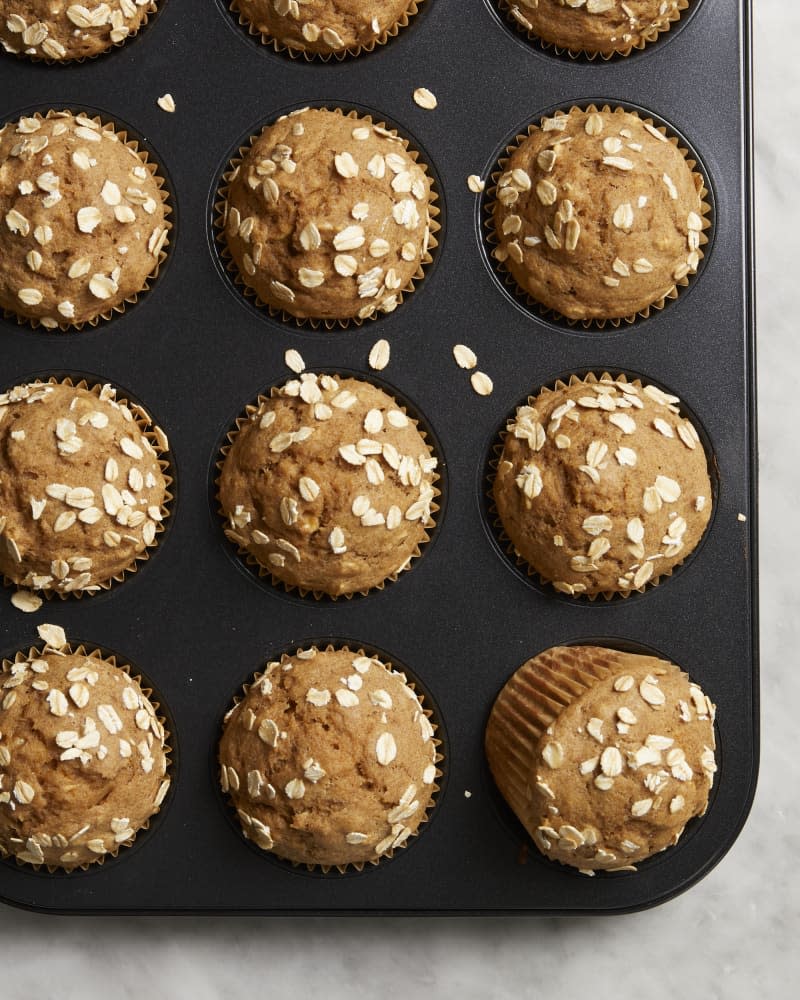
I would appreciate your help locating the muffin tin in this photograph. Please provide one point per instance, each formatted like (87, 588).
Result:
(197, 623)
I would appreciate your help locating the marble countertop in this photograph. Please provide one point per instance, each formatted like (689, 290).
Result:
(733, 933)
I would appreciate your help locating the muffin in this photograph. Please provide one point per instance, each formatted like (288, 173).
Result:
(596, 27)
(84, 220)
(329, 759)
(83, 489)
(598, 215)
(60, 31)
(602, 485)
(328, 217)
(328, 485)
(325, 27)
(83, 758)
(604, 756)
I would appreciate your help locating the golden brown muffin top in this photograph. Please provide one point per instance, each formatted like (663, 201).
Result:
(324, 26)
(329, 485)
(82, 220)
(596, 26)
(328, 216)
(602, 486)
(627, 761)
(61, 30)
(82, 758)
(598, 215)
(329, 759)
(81, 487)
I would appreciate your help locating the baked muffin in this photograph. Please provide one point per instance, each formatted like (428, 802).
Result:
(604, 756)
(602, 486)
(82, 486)
(329, 759)
(83, 758)
(598, 215)
(596, 27)
(325, 27)
(84, 220)
(60, 31)
(328, 485)
(328, 217)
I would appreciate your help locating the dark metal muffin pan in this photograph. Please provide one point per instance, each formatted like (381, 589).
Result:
(198, 625)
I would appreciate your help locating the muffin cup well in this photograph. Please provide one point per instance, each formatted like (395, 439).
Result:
(507, 545)
(295, 52)
(220, 209)
(263, 571)
(242, 819)
(491, 239)
(133, 298)
(158, 439)
(516, 19)
(151, 9)
(81, 650)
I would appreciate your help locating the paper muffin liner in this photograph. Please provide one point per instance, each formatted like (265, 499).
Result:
(35, 652)
(515, 17)
(295, 52)
(151, 9)
(528, 704)
(505, 275)
(497, 525)
(221, 218)
(158, 439)
(356, 866)
(263, 571)
(153, 169)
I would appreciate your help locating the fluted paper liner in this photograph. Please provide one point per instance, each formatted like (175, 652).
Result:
(153, 169)
(437, 759)
(490, 199)
(297, 52)
(264, 571)
(221, 218)
(36, 652)
(158, 440)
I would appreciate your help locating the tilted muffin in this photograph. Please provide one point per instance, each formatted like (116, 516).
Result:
(328, 485)
(82, 489)
(83, 760)
(596, 27)
(599, 215)
(604, 756)
(602, 485)
(325, 27)
(328, 216)
(61, 31)
(83, 220)
(329, 759)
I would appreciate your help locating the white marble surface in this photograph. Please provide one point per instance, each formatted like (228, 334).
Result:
(734, 933)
